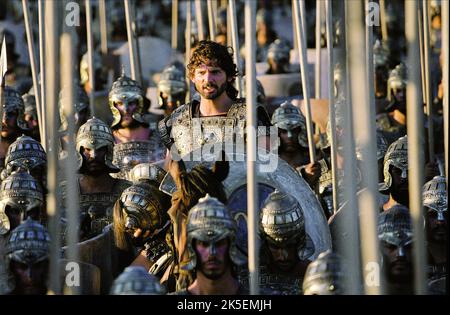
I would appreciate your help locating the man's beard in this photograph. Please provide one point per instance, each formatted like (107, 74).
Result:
(93, 172)
(400, 195)
(212, 275)
(216, 94)
(9, 134)
(438, 238)
(405, 277)
(133, 124)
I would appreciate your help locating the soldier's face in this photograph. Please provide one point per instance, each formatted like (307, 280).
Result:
(399, 187)
(95, 159)
(397, 261)
(436, 226)
(126, 112)
(210, 81)
(212, 258)
(289, 139)
(30, 278)
(284, 257)
(9, 124)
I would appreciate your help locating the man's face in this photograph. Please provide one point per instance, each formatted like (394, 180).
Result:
(399, 186)
(212, 258)
(436, 226)
(16, 215)
(126, 113)
(284, 258)
(94, 159)
(32, 124)
(9, 124)
(210, 81)
(289, 139)
(30, 278)
(397, 262)
(400, 97)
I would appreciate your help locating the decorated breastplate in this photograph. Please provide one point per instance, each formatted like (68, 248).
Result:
(191, 133)
(129, 154)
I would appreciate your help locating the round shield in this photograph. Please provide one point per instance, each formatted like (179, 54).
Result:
(272, 173)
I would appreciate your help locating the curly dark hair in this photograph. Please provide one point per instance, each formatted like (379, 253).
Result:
(209, 52)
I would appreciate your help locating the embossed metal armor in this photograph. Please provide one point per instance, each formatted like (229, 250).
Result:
(126, 90)
(129, 154)
(434, 196)
(13, 102)
(148, 172)
(189, 133)
(397, 80)
(173, 84)
(82, 102)
(25, 153)
(283, 223)
(289, 117)
(20, 191)
(135, 280)
(210, 221)
(28, 243)
(396, 155)
(394, 227)
(324, 276)
(95, 134)
(142, 209)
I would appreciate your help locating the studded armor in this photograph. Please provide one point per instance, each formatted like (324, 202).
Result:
(172, 83)
(148, 172)
(25, 153)
(324, 276)
(396, 155)
(394, 226)
(13, 102)
(434, 196)
(81, 103)
(21, 191)
(28, 243)
(129, 154)
(210, 221)
(135, 280)
(189, 133)
(289, 117)
(283, 223)
(126, 90)
(95, 134)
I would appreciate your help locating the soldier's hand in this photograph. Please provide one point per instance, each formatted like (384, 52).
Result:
(312, 173)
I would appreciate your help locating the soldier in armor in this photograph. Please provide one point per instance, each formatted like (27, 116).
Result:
(136, 280)
(171, 89)
(325, 275)
(27, 254)
(141, 223)
(30, 116)
(219, 117)
(293, 146)
(136, 140)
(436, 225)
(393, 123)
(286, 247)
(278, 57)
(98, 190)
(21, 196)
(100, 73)
(13, 124)
(213, 255)
(396, 237)
(26, 154)
(380, 64)
(395, 172)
